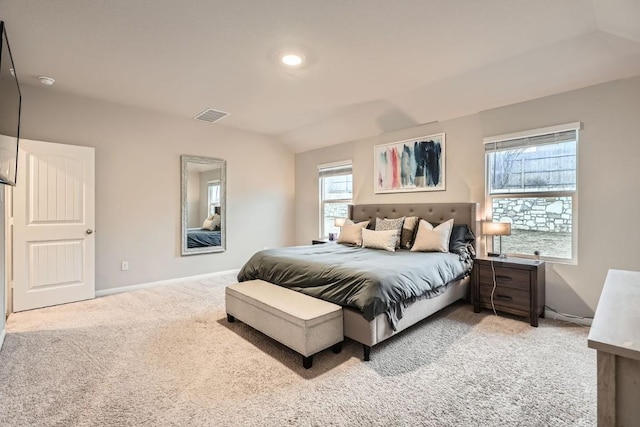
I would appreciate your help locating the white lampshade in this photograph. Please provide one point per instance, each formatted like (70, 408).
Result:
(496, 228)
(339, 222)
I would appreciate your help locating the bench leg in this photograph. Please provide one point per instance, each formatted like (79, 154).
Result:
(367, 352)
(307, 362)
(230, 318)
(337, 348)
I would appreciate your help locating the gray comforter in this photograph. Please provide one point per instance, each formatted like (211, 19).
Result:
(372, 281)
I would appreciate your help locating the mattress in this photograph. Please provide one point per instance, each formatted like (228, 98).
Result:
(369, 280)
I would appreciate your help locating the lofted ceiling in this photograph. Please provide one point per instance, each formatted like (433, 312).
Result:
(373, 66)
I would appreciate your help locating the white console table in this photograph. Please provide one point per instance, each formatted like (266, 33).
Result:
(615, 334)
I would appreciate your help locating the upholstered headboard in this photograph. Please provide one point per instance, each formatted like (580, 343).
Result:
(435, 213)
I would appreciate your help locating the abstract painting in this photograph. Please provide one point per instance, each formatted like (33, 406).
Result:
(412, 165)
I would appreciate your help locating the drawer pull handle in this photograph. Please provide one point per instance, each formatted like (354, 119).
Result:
(507, 297)
(499, 276)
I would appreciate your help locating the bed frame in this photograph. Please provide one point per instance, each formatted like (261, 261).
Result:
(370, 333)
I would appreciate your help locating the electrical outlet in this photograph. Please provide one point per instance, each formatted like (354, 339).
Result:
(125, 265)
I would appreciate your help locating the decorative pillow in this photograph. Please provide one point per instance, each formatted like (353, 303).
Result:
(390, 224)
(408, 232)
(461, 236)
(212, 222)
(430, 239)
(351, 234)
(384, 239)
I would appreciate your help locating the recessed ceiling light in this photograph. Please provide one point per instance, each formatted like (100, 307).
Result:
(47, 81)
(292, 59)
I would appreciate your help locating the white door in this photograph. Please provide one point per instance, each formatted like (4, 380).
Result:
(54, 216)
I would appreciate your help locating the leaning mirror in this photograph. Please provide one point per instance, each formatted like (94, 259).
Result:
(203, 205)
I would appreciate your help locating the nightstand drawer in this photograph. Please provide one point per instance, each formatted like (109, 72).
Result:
(509, 277)
(505, 297)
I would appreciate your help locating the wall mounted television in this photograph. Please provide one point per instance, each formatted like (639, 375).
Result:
(10, 109)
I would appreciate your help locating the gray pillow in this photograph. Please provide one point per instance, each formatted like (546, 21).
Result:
(391, 224)
(408, 232)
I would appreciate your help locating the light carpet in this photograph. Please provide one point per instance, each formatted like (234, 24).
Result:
(166, 356)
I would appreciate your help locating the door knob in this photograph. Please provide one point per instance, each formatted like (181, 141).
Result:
(89, 231)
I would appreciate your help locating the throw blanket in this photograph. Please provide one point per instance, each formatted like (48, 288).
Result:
(372, 281)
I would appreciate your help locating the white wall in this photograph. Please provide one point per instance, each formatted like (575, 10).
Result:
(138, 184)
(608, 178)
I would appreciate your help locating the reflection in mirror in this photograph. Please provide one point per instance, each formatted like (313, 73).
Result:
(203, 205)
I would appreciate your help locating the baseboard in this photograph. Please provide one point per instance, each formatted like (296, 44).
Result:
(550, 314)
(2, 335)
(129, 288)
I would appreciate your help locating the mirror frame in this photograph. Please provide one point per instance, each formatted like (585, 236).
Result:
(185, 160)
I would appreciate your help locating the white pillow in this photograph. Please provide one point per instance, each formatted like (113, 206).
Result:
(212, 222)
(429, 239)
(381, 239)
(351, 233)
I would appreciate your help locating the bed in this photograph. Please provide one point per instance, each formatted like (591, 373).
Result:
(382, 293)
(201, 238)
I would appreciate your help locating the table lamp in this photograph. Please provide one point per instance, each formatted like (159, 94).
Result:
(496, 229)
(338, 222)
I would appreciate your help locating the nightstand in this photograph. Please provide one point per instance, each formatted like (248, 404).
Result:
(520, 284)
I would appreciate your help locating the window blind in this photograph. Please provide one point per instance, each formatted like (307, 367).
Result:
(529, 141)
(340, 170)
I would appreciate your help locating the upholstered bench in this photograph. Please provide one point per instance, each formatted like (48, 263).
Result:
(302, 323)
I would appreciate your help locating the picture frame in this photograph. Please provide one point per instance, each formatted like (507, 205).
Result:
(416, 164)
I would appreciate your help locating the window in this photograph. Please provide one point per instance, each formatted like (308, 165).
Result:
(213, 196)
(336, 194)
(531, 183)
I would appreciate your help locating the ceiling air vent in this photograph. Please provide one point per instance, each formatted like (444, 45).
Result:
(211, 116)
